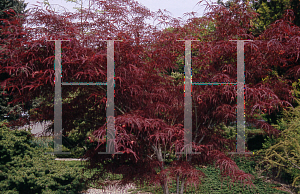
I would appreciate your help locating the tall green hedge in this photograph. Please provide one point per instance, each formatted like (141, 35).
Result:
(25, 168)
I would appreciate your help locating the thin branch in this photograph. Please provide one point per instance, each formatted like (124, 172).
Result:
(119, 109)
(182, 185)
(197, 126)
(196, 119)
(201, 139)
(115, 105)
(149, 157)
(290, 160)
(177, 190)
(158, 154)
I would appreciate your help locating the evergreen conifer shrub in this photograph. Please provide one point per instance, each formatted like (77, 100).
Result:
(25, 168)
(282, 155)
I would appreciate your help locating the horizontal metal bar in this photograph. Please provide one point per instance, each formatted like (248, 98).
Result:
(187, 153)
(212, 83)
(83, 83)
(241, 153)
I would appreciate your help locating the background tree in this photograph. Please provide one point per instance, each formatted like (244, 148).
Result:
(10, 11)
(295, 5)
(16, 5)
(269, 12)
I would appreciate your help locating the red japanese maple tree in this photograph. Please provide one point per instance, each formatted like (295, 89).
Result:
(149, 103)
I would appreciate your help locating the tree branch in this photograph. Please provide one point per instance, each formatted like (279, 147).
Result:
(290, 160)
(182, 185)
(115, 105)
(201, 139)
(120, 110)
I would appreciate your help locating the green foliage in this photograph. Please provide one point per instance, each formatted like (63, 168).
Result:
(213, 183)
(88, 173)
(5, 109)
(43, 142)
(283, 154)
(16, 5)
(75, 140)
(178, 77)
(296, 88)
(270, 12)
(269, 141)
(76, 152)
(26, 169)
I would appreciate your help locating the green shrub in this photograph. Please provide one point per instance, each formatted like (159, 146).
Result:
(43, 142)
(25, 168)
(282, 156)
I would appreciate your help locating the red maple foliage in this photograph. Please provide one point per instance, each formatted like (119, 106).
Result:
(149, 102)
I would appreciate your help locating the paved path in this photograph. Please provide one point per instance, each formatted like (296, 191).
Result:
(70, 159)
(114, 188)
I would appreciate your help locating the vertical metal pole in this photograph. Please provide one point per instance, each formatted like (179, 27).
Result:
(57, 100)
(240, 97)
(188, 98)
(240, 135)
(110, 106)
(110, 147)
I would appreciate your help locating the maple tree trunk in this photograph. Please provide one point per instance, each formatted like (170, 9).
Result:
(165, 187)
(177, 184)
(164, 183)
(182, 186)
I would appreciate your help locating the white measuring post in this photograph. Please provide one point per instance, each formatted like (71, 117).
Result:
(240, 135)
(110, 106)
(110, 119)
(57, 101)
(188, 99)
(240, 146)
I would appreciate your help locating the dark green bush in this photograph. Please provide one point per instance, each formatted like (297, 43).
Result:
(25, 168)
(282, 155)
